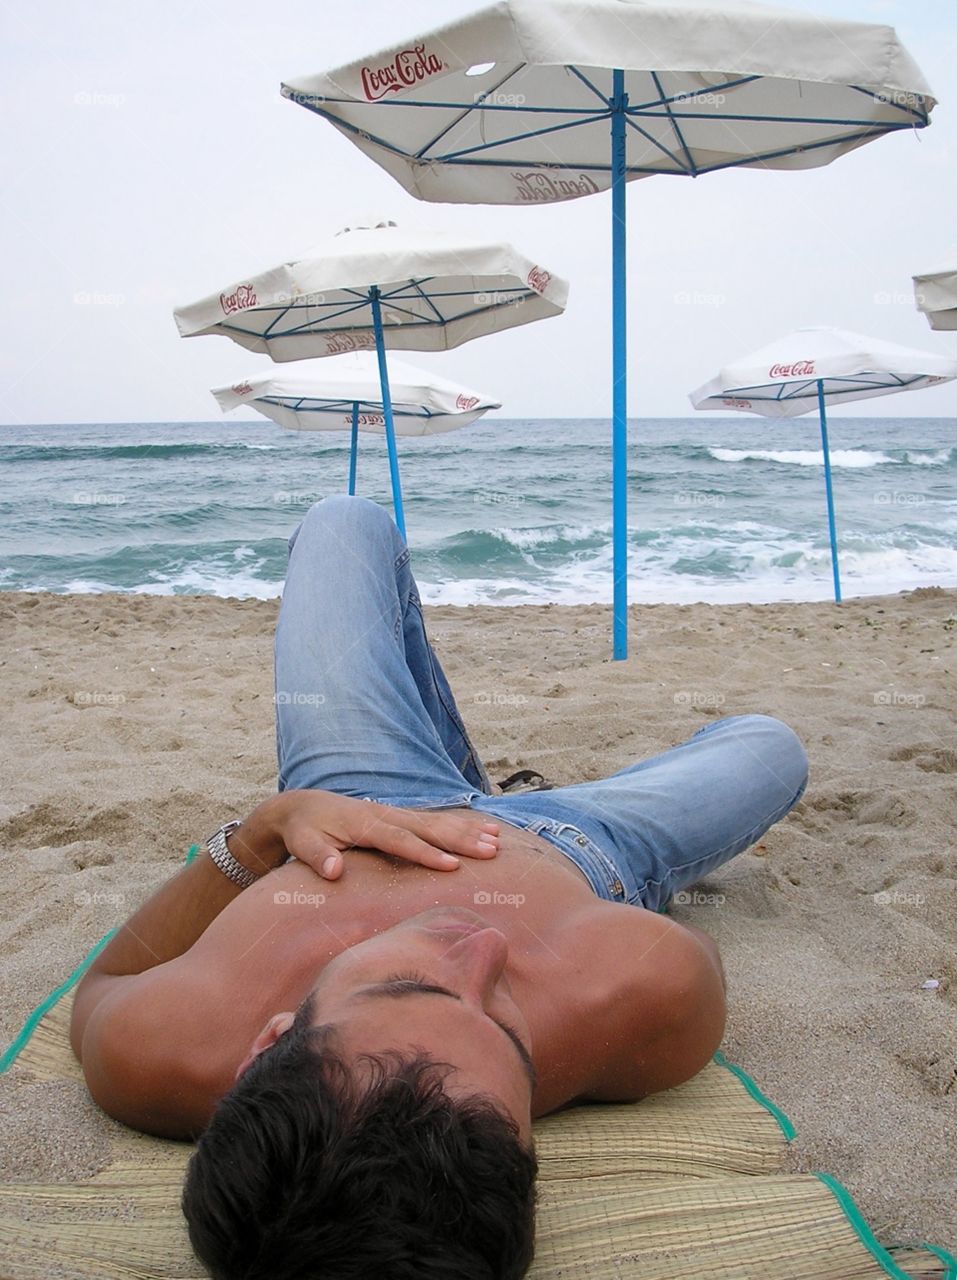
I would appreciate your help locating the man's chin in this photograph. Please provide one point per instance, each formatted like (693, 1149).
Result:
(437, 917)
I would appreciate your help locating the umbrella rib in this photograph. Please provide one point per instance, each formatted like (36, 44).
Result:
(691, 166)
(275, 320)
(602, 97)
(901, 106)
(363, 134)
(676, 160)
(428, 300)
(453, 156)
(466, 111)
(684, 95)
(809, 146)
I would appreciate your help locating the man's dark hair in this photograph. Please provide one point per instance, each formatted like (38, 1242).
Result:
(307, 1174)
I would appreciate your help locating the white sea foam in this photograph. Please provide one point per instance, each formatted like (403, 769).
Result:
(936, 458)
(803, 457)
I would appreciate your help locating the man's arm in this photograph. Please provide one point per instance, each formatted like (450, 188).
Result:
(176, 915)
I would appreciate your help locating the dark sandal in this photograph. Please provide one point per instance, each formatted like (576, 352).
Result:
(525, 780)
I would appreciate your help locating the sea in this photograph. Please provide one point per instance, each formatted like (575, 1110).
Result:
(506, 511)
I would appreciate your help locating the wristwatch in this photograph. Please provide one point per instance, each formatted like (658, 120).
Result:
(233, 870)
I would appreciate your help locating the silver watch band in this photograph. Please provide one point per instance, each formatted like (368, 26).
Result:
(233, 870)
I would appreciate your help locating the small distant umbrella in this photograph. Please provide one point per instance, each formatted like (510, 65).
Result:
(802, 371)
(532, 102)
(936, 293)
(378, 287)
(346, 395)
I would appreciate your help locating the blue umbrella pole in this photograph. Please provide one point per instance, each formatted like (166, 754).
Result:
(387, 411)
(830, 494)
(355, 446)
(619, 395)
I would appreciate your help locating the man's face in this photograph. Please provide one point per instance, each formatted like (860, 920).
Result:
(433, 984)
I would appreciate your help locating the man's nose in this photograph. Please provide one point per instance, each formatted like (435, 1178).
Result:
(478, 961)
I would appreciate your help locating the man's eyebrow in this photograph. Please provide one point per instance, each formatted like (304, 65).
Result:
(404, 987)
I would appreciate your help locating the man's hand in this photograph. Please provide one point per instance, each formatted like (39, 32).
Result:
(316, 826)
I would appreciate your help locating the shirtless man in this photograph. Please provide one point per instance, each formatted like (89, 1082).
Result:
(360, 997)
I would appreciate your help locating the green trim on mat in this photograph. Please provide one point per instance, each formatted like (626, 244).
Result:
(787, 1128)
(948, 1259)
(864, 1233)
(14, 1050)
(31, 1024)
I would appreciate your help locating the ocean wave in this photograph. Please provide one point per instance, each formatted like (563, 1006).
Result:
(933, 458)
(803, 457)
(106, 451)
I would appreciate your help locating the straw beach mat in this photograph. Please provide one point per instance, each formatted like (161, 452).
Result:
(683, 1186)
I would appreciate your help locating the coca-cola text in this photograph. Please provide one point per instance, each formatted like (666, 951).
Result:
(243, 296)
(538, 187)
(405, 70)
(799, 369)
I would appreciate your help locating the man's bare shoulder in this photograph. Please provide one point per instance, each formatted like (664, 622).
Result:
(144, 1050)
(657, 998)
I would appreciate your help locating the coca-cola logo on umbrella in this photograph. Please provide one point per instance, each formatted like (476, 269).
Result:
(242, 389)
(405, 70)
(466, 402)
(538, 186)
(732, 403)
(799, 369)
(339, 343)
(243, 296)
(538, 279)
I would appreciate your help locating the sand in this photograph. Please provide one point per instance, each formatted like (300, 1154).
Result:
(133, 725)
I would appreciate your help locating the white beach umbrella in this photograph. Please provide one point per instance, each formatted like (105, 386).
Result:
(807, 368)
(531, 102)
(344, 393)
(936, 293)
(376, 287)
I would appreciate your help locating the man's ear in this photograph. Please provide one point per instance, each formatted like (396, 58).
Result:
(277, 1025)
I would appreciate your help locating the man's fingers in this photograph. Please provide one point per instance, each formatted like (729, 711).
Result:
(313, 848)
(464, 834)
(405, 844)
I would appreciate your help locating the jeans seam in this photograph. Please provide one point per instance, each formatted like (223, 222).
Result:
(451, 711)
(777, 813)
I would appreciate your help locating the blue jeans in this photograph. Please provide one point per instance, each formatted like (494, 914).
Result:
(363, 708)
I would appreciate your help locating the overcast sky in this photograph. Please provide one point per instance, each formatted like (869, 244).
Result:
(148, 160)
